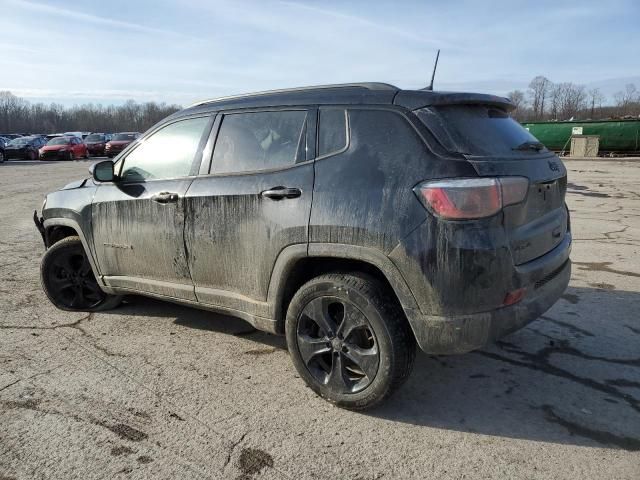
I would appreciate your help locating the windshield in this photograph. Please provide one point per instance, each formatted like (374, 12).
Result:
(94, 138)
(58, 141)
(124, 136)
(477, 130)
(20, 141)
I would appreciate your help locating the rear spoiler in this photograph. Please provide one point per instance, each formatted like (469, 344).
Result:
(414, 99)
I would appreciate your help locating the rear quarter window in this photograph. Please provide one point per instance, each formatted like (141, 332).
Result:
(332, 135)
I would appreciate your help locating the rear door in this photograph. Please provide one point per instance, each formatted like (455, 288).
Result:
(254, 202)
(138, 221)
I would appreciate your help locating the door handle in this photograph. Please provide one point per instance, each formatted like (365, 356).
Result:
(165, 197)
(278, 193)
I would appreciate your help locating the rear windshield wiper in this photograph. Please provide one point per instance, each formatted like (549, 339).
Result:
(537, 146)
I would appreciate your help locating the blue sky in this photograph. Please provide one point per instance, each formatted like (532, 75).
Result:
(109, 51)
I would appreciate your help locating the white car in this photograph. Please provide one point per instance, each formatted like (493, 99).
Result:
(74, 134)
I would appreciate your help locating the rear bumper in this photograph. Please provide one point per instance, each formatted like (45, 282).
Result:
(545, 279)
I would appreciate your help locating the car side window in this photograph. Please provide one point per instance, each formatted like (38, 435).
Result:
(166, 153)
(332, 131)
(254, 141)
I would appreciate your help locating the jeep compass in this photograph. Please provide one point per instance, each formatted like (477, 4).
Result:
(358, 220)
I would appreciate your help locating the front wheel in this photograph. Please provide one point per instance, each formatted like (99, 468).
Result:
(68, 280)
(349, 339)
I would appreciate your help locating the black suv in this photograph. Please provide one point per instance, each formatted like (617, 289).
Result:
(359, 220)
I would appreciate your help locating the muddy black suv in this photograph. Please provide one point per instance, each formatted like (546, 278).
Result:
(358, 220)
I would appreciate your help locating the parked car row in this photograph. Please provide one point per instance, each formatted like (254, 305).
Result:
(63, 146)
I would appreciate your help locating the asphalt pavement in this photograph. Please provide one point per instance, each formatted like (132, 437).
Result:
(155, 390)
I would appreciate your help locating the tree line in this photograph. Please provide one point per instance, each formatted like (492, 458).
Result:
(546, 100)
(543, 100)
(20, 115)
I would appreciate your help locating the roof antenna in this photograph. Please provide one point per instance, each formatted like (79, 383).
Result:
(433, 75)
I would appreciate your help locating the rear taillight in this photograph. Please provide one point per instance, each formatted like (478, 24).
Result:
(514, 297)
(470, 198)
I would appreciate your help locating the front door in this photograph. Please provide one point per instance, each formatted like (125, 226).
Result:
(254, 203)
(138, 220)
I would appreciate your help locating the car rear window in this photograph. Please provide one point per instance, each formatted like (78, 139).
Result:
(476, 129)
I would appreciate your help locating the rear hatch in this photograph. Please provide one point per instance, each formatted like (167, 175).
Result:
(496, 146)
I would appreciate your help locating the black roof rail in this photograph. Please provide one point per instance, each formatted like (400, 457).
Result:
(366, 85)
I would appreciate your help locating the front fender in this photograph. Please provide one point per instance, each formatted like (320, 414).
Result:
(72, 223)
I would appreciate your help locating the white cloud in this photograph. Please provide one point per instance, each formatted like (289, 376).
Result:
(42, 8)
(181, 52)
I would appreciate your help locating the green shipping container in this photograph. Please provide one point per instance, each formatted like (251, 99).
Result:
(615, 135)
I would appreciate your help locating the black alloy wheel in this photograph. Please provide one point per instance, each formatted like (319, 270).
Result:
(349, 339)
(68, 280)
(337, 344)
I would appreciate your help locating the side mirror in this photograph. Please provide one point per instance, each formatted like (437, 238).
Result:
(102, 171)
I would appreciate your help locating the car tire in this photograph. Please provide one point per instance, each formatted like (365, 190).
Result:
(70, 155)
(1, 157)
(86, 154)
(349, 339)
(68, 280)
(32, 155)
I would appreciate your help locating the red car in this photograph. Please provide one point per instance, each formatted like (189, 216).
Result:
(119, 142)
(64, 148)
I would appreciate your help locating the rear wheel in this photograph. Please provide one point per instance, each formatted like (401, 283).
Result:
(70, 155)
(1, 156)
(32, 155)
(68, 280)
(349, 340)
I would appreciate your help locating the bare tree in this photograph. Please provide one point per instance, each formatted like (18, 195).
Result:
(567, 100)
(595, 99)
(539, 89)
(626, 98)
(517, 98)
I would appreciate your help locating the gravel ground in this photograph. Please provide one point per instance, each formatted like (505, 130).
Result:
(154, 390)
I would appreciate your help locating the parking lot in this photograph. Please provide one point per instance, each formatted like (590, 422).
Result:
(155, 390)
